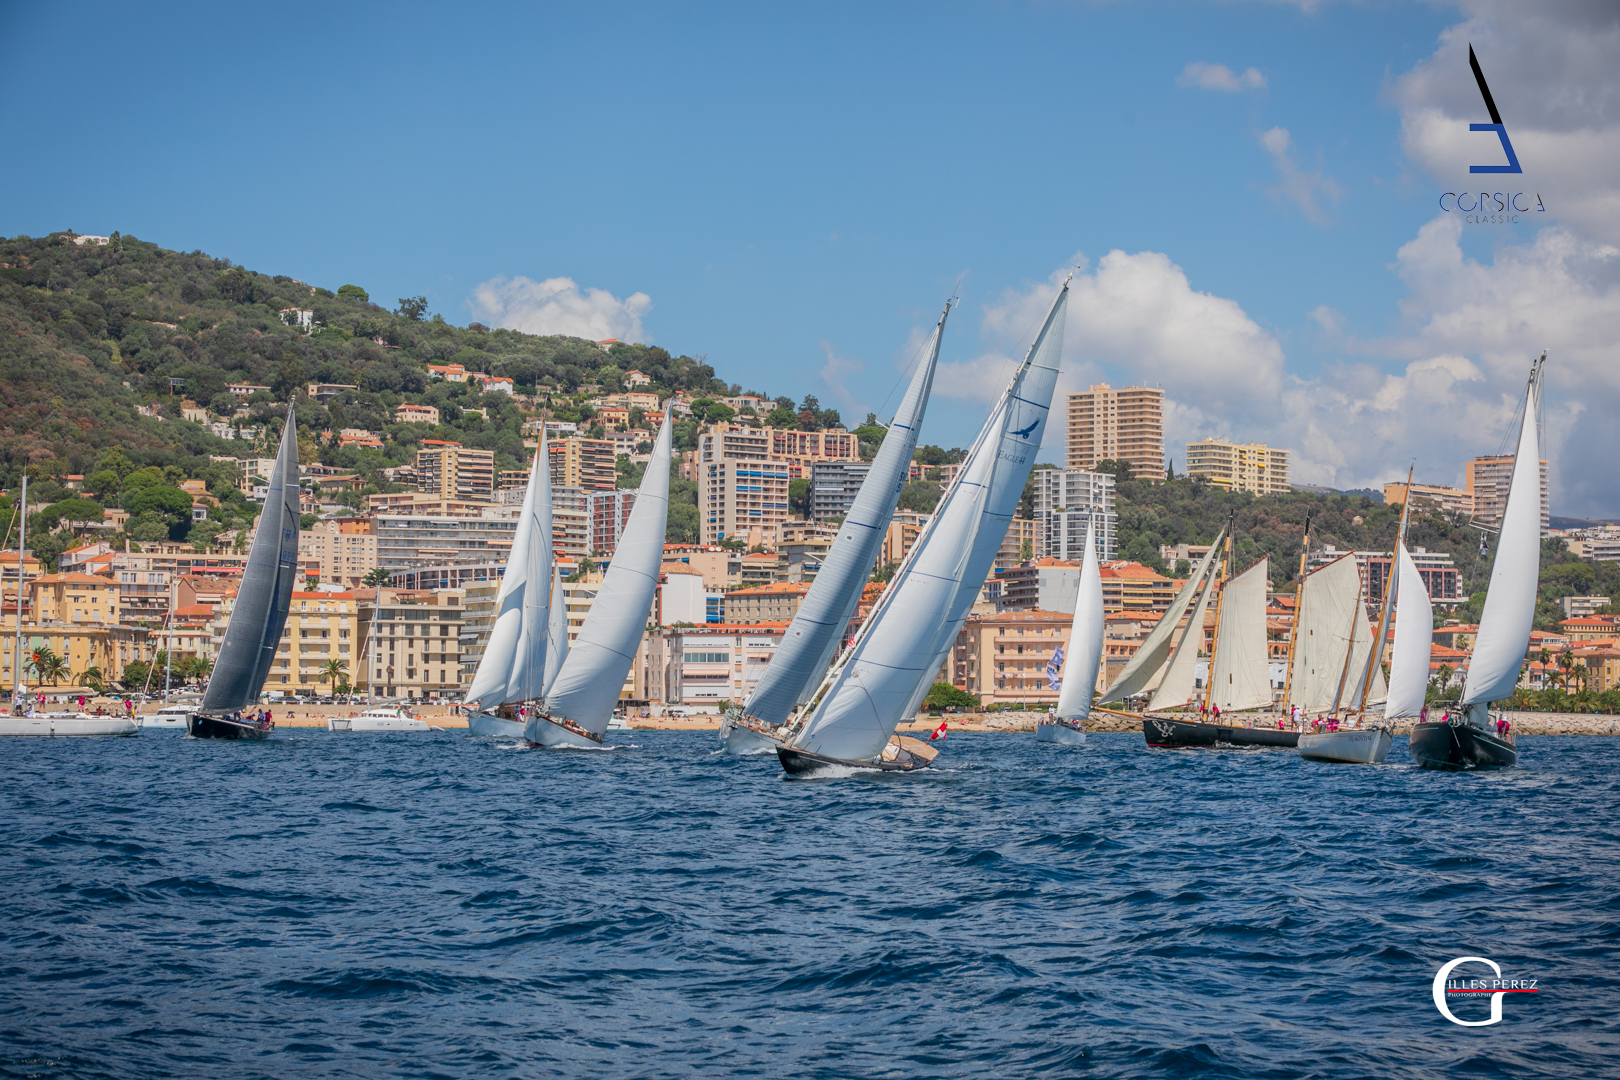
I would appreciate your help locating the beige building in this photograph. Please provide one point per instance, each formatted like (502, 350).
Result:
(1020, 536)
(777, 602)
(1487, 480)
(742, 484)
(410, 645)
(321, 626)
(1002, 658)
(1105, 424)
(1448, 500)
(107, 647)
(1253, 467)
(583, 463)
(73, 598)
(453, 471)
(338, 551)
(416, 414)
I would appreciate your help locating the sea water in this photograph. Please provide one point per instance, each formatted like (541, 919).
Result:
(449, 906)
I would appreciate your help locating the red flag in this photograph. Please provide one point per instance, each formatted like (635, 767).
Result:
(939, 732)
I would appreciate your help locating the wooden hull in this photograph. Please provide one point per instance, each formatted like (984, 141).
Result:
(1360, 746)
(1460, 747)
(1168, 733)
(542, 731)
(218, 727)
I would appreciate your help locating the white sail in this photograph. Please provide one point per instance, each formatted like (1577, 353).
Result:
(1510, 603)
(812, 638)
(1240, 677)
(1147, 661)
(1085, 637)
(887, 670)
(1414, 637)
(556, 634)
(1360, 654)
(1327, 604)
(510, 668)
(1181, 673)
(588, 684)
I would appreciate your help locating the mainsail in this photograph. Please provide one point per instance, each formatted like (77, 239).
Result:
(1181, 673)
(812, 638)
(1414, 635)
(263, 598)
(1510, 602)
(1150, 657)
(513, 665)
(1085, 637)
(885, 673)
(556, 634)
(1327, 604)
(1239, 675)
(587, 685)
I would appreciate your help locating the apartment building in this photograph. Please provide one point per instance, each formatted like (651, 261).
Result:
(833, 487)
(720, 568)
(830, 445)
(1019, 539)
(86, 644)
(801, 548)
(74, 598)
(407, 540)
(450, 470)
(742, 484)
(1451, 501)
(776, 602)
(609, 513)
(410, 643)
(1253, 467)
(1438, 572)
(1041, 585)
(1487, 480)
(904, 529)
(1002, 658)
(338, 551)
(583, 463)
(1132, 587)
(416, 414)
(321, 626)
(708, 665)
(1065, 501)
(1105, 424)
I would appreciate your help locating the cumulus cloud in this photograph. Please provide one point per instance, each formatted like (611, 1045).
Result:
(1306, 190)
(1220, 77)
(559, 306)
(835, 373)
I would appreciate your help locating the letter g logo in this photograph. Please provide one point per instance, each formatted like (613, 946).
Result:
(1440, 992)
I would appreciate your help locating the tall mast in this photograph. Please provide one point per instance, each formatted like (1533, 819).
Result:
(1299, 610)
(17, 654)
(1220, 597)
(1357, 613)
(168, 651)
(1389, 593)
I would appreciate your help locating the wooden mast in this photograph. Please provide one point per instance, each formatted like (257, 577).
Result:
(1299, 611)
(1389, 593)
(1215, 638)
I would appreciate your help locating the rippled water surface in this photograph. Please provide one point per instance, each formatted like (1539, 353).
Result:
(447, 906)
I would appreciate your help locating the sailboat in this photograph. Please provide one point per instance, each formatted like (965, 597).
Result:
(811, 640)
(882, 677)
(260, 612)
(513, 668)
(1471, 740)
(1079, 675)
(578, 705)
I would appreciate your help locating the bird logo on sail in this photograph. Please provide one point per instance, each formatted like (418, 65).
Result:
(1023, 433)
(1053, 667)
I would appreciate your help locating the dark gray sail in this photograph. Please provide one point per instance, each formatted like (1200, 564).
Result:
(265, 593)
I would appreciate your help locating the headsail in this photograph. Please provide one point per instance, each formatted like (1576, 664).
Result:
(1085, 637)
(1327, 602)
(265, 594)
(1414, 636)
(1510, 603)
(1150, 657)
(1181, 673)
(556, 634)
(812, 638)
(1239, 675)
(588, 683)
(513, 663)
(887, 670)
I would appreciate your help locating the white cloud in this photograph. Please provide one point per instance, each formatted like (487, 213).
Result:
(1220, 77)
(558, 306)
(1306, 190)
(835, 374)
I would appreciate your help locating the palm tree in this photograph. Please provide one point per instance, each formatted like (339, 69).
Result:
(94, 679)
(47, 665)
(332, 671)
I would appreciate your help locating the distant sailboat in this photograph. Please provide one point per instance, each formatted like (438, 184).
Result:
(1079, 675)
(1472, 740)
(513, 668)
(260, 611)
(1148, 663)
(812, 638)
(882, 677)
(579, 702)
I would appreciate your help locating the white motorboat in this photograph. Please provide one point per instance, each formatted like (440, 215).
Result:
(170, 717)
(62, 725)
(618, 722)
(378, 720)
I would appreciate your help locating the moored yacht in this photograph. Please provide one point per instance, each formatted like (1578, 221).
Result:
(170, 717)
(379, 719)
(66, 724)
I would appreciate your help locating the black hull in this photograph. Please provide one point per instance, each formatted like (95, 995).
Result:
(1459, 747)
(803, 763)
(1166, 733)
(217, 727)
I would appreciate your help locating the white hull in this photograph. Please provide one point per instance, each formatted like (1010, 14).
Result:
(485, 724)
(163, 722)
(376, 721)
(742, 740)
(1061, 734)
(1362, 746)
(618, 723)
(553, 736)
(67, 726)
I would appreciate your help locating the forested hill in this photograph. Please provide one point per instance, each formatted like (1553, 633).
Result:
(95, 330)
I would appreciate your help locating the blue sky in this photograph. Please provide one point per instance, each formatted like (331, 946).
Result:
(796, 189)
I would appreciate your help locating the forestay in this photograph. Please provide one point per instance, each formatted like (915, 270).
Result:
(1240, 679)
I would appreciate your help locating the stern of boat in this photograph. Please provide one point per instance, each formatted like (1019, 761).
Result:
(1059, 733)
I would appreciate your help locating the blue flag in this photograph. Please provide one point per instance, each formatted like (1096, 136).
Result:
(1053, 667)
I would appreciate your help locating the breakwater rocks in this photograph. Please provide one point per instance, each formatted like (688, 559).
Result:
(1524, 723)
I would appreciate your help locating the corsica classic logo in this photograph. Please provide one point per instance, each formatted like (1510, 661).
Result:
(1491, 207)
(1448, 990)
